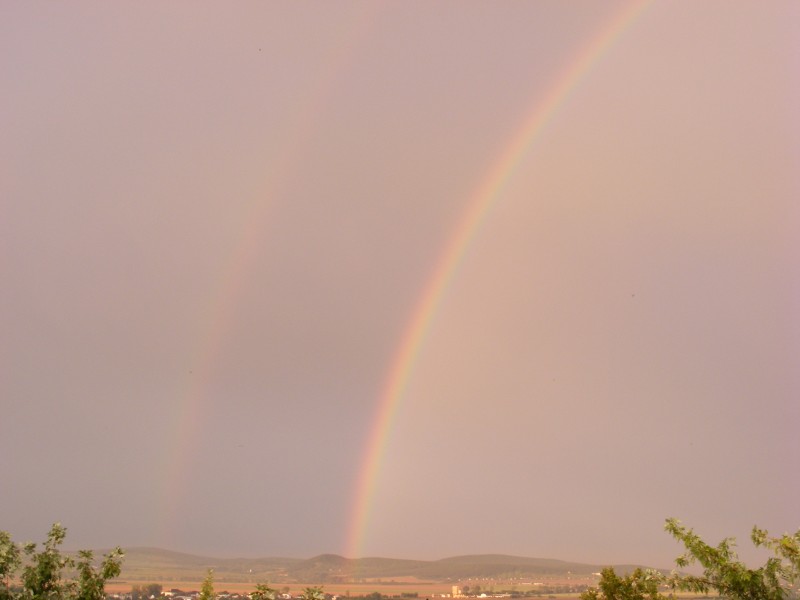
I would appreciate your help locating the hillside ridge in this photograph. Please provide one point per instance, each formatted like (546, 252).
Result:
(148, 563)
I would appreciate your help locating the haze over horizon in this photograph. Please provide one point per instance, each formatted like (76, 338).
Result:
(219, 222)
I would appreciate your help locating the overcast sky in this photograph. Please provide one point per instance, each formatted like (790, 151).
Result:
(216, 222)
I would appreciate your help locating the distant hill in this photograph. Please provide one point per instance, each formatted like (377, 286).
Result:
(155, 564)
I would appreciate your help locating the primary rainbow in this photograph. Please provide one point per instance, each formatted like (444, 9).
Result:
(478, 207)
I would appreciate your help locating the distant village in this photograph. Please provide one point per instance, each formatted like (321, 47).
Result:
(177, 594)
(533, 590)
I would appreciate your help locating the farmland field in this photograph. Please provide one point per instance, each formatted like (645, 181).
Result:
(424, 589)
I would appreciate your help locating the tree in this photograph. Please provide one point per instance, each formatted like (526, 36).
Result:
(146, 591)
(42, 575)
(639, 585)
(91, 580)
(729, 577)
(207, 589)
(786, 549)
(263, 592)
(723, 572)
(313, 593)
(10, 561)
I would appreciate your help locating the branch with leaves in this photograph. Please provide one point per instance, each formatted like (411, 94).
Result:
(42, 576)
(639, 585)
(724, 573)
(264, 592)
(313, 593)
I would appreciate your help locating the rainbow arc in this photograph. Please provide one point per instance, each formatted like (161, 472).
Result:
(479, 206)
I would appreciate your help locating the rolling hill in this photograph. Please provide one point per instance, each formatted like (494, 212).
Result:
(163, 565)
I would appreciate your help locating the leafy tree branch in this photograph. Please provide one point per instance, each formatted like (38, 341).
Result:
(42, 576)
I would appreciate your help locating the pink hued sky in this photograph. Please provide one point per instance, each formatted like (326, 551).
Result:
(217, 221)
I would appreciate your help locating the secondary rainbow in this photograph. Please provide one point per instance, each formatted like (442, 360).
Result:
(191, 410)
(454, 250)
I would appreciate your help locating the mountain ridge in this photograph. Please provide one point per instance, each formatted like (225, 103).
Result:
(147, 563)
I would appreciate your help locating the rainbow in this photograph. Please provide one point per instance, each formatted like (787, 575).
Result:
(219, 317)
(480, 204)
(189, 414)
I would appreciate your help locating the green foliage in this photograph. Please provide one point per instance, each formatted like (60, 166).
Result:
(313, 593)
(263, 592)
(639, 585)
(729, 577)
(91, 580)
(723, 572)
(207, 589)
(42, 576)
(10, 561)
(787, 552)
(146, 591)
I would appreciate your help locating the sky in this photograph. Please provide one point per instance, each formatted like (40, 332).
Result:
(245, 310)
